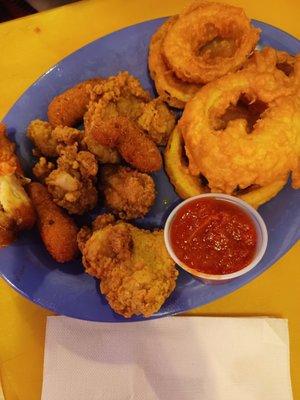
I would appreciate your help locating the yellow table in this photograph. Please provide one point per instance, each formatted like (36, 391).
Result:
(29, 46)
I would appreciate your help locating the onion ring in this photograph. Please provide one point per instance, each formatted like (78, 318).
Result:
(230, 157)
(187, 185)
(208, 40)
(285, 66)
(171, 89)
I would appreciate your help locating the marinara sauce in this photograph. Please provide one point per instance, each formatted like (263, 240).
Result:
(213, 236)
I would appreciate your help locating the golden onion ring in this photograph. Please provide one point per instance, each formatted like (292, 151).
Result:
(280, 63)
(187, 185)
(171, 89)
(208, 40)
(230, 157)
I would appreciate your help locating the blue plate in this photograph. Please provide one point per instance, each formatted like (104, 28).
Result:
(66, 289)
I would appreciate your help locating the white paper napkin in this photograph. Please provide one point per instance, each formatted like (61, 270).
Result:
(175, 358)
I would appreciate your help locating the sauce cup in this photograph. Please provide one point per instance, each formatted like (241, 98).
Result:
(261, 236)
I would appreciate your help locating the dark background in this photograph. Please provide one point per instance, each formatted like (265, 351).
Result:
(11, 9)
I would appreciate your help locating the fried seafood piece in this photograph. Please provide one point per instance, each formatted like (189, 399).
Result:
(121, 94)
(16, 210)
(231, 153)
(72, 184)
(132, 143)
(69, 107)
(112, 118)
(104, 154)
(137, 275)
(106, 248)
(42, 169)
(158, 121)
(141, 285)
(8, 229)
(208, 40)
(187, 185)
(99, 223)
(58, 231)
(170, 88)
(127, 192)
(46, 138)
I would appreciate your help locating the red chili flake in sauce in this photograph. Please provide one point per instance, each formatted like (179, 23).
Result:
(213, 236)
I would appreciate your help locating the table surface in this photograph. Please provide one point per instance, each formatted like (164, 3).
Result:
(29, 47)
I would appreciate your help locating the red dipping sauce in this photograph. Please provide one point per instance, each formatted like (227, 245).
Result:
(213, 236)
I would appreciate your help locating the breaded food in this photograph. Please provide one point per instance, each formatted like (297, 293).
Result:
(122, 94)
(137, 274)
(131, 142)
(17, 211)
(58, 231)
(135, 147)
(208, 40)
(42, 169)
(46, 139)
(106, 248)
(235, 155)
(104, 154)
(15, 201)
(99, 223)
(187, 185)
(158, 121)
(141, 285)
(112, 118)
(170, 88)
(128, 193)
(72, 184)
(285, 67)
(40, 133)
(8, 229)
(69, 107)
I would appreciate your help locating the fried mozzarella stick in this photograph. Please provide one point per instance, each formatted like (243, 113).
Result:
(57, 229)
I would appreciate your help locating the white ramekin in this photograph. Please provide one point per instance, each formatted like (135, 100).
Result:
(261, 231)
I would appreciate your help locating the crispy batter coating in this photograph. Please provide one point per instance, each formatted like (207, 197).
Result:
(122, 94)
(127, 192)
(9, 162)
(58, 231)
(158, 121)
(112, 117)
(68, 108)
(15, 201)
(187, 185)
(137, 274)
(83, 236)
(17, 212)
(106, 248)
(42, 169)
(133, 145)
(208, 40)
(141, 285)
(103, 220)
(72, 184)
(99, 223)
(285, 67)
(233, 157)
(8, 229)
(104, 154)
(40, 133)
(170, 88)
(46, 139)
